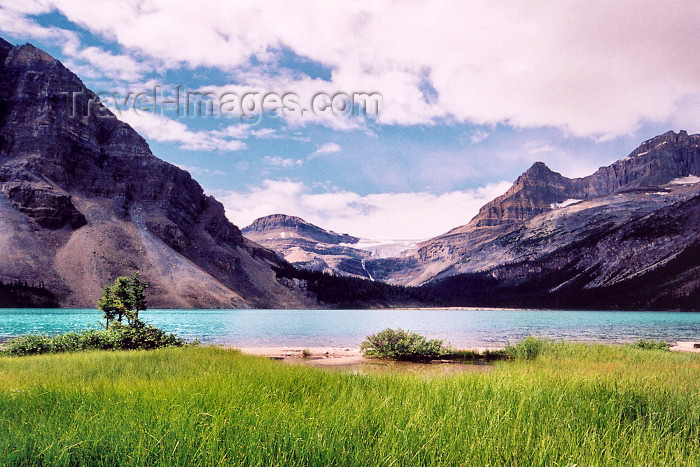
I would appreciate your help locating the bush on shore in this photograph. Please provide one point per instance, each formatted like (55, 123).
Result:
(116, 338)
(648, 344)
(398, 344)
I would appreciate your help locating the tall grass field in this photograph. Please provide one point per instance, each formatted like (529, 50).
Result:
(574, 404)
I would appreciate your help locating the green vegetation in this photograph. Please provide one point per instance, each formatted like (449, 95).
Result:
(122, 338)
(122, 300)
(573, 404)
(651, 345)
(527, 349)
(21, 294)
(398, 344)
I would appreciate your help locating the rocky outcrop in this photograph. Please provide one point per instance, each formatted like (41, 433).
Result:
(49, 207)
(655, 162)
(599, 257)
(83, 200)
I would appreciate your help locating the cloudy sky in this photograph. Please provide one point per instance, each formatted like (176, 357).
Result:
(472, 93)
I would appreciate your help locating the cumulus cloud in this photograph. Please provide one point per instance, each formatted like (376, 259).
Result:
(89, 61)
(163, 129)
(571, 64)
(377, 216)
(282, 162)
(327, 148)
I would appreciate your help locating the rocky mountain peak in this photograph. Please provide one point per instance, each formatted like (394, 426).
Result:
(539, 174)
(532, 193)
(27, 53)
(282, 225)
(655, 162)
(670, 137)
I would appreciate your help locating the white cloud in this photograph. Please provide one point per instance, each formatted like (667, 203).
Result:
(327, 148)
(196, 171)
(376, 216)
(163, 129)
(89, 61)
(277, 161)
(264, 133)
(572, 64)
(478, 136)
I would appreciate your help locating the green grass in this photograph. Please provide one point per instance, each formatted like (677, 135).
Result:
(572, 404)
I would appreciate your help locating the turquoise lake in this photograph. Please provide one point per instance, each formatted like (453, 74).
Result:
(349, 327)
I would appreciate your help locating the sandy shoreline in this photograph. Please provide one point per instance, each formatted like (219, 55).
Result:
(686, 346)
(322, 356)
(351, 356)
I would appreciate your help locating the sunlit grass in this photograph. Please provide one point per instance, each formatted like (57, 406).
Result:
(573, 404)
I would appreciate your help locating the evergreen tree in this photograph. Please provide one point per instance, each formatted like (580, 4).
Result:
(124, 299)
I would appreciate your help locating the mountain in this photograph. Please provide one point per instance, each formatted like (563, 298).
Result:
(308, 246)
(83, 200)
(656, 162)
(626, 236)
(282, 226)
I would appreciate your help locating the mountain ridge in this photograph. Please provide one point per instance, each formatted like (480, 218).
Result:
(539, 187)
(83, 200)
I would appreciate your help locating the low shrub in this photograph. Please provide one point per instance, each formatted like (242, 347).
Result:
(402, 345)
(144, 337)
(648, 344)
(527, 349)
(28, 345)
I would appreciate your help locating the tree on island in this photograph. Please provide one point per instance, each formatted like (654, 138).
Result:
(124, 299)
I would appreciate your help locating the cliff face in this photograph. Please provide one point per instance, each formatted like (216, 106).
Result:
(655, 162)
(83, 200)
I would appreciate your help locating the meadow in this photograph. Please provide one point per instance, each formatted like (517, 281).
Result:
(574, 404)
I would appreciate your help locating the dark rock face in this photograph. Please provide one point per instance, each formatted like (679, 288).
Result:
(650, 262)
(49, 207)
(85, 200)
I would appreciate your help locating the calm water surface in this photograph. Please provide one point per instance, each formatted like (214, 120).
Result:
(349, 327)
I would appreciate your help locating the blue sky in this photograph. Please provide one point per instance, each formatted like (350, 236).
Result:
(472, 94)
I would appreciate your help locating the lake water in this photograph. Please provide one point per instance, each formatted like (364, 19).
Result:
(348, 328)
